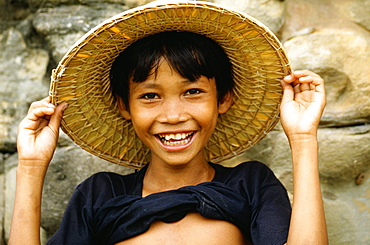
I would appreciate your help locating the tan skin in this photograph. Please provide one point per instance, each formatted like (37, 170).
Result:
(301, 109)
(159, 109)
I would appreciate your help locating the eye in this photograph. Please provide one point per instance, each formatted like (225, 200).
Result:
(150, 96)
(193, 91)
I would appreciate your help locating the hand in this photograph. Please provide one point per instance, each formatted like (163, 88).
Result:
(302, 104)
(38, 132)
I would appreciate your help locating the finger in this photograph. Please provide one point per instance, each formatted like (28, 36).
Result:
(304, 73)
(316, 81)
(40, 112)
(290, 79)
(313, 83)
(288, 92)
(306, 87)
(297, 88)
(41, 103)
(46, 99)
(36, 116)
(36, 119)
(305, 76)
(302, 76)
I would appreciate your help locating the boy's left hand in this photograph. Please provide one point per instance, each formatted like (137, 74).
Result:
(302, 104)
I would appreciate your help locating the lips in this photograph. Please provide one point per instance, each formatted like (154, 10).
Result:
(175, 139)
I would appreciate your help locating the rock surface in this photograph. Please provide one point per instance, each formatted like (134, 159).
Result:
(347, 83)
(331, 38)
(23, 69)
(269, 12)
(69, 167)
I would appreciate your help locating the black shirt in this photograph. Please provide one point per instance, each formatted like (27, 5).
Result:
(108, 208)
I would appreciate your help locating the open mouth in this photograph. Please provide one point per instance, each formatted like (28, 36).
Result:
(175, 139)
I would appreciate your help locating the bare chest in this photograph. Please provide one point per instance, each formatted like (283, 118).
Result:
(193, 229)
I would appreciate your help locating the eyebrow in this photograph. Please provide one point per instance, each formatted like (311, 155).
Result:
(145, 85)
(154, 85)
(148, 85)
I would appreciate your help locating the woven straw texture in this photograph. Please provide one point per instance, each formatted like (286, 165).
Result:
(92, 119)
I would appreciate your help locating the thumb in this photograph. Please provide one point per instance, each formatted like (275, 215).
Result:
(56, 118)
(288, 92)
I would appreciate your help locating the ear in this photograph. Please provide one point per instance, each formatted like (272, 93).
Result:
(123, 109)
(226, 102)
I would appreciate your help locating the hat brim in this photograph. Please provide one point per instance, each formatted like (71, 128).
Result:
(92, 119)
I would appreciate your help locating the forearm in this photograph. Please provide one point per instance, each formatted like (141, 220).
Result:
(308, 225)
(25, 226)
(37, 138)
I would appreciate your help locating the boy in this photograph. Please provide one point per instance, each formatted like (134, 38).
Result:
(173, 88)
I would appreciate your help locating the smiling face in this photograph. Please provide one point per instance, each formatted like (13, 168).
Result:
(189, 54)
(173, 116)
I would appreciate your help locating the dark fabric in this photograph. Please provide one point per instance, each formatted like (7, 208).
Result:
(108, 208)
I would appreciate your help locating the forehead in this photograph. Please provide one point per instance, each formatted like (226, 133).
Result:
(171, 81)
(164, 74)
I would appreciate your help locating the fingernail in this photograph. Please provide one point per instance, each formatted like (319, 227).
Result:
(65, 106)
(303, 79)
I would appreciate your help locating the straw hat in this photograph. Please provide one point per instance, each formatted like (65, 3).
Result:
(92, 119)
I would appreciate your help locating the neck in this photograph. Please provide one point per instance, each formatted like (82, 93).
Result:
(160, 178)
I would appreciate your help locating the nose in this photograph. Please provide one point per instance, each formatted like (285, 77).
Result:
(173, 111)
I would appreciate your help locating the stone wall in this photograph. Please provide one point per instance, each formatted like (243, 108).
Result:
(329, 37)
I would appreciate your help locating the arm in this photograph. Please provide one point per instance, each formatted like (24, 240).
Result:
(301, 109)
(37, 138)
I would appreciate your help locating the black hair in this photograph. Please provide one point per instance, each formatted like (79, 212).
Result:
(190, 54)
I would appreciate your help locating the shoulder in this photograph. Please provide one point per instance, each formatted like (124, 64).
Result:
(252, 170)
(110, 184)
(248, 177)
(101, 178)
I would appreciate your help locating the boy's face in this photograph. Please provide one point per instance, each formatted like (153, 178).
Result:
(173, 116)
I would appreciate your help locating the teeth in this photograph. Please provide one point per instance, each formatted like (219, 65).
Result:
(175, 139)
(171, 143)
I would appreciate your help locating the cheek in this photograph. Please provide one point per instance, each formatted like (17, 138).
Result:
(142, 130)
(207, 115)
(140, 121)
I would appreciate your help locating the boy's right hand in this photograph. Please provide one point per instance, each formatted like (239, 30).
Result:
(38, 133)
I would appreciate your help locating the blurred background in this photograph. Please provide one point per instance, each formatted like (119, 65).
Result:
(329, 37)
